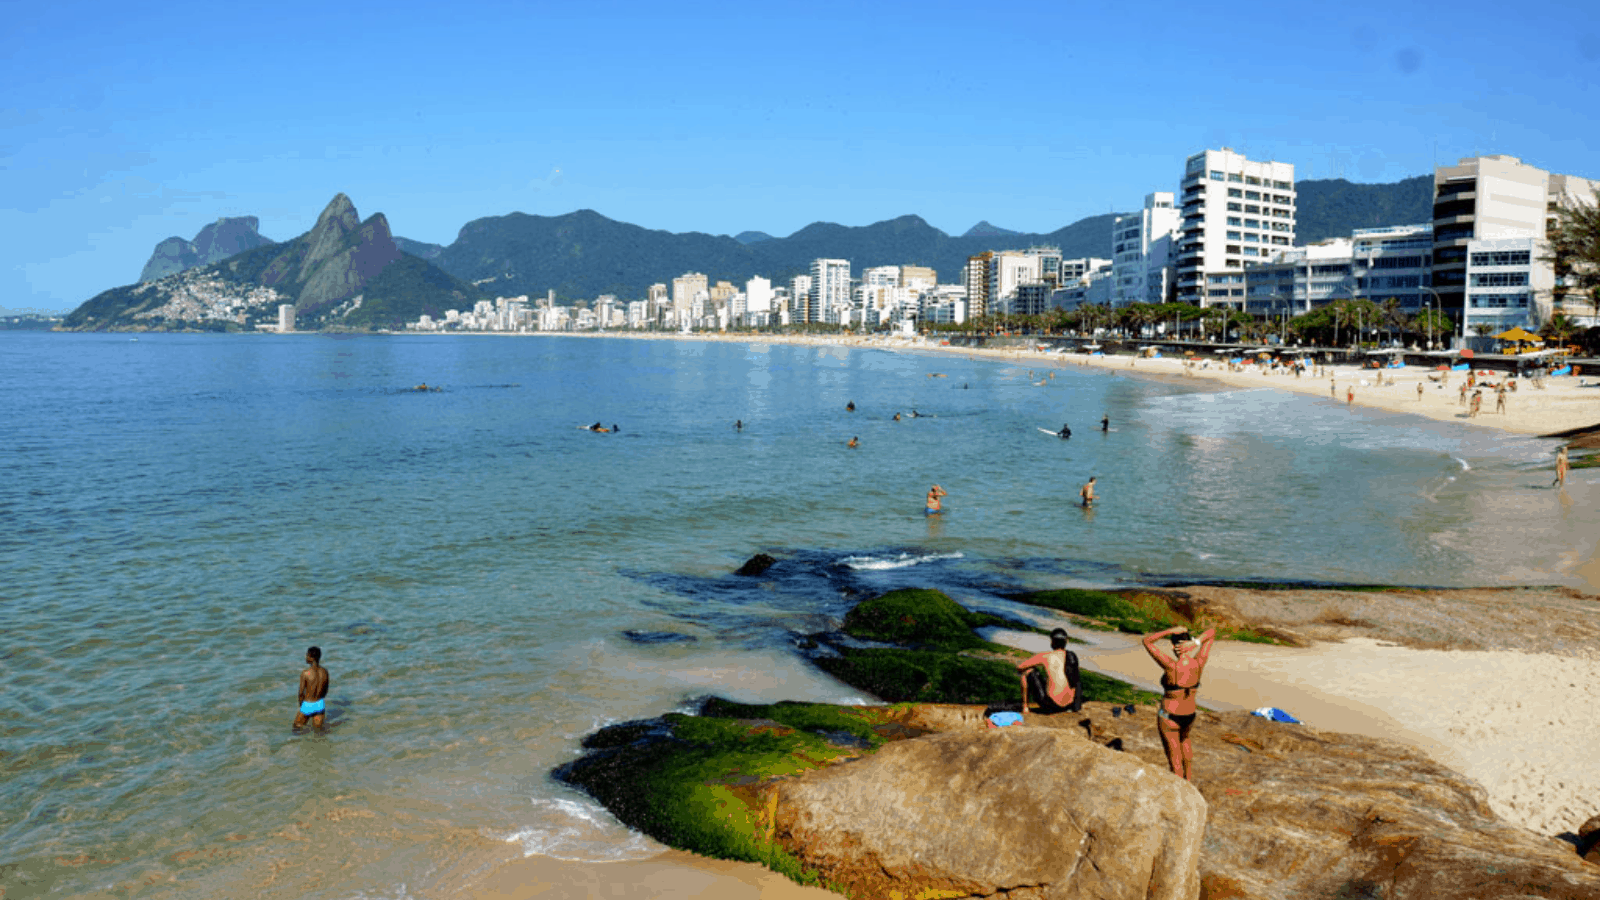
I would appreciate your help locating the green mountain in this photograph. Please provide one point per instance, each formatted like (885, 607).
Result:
(1335, 207)
(342, 273)
(583, 254)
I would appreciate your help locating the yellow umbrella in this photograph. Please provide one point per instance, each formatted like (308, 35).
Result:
(1519, 334)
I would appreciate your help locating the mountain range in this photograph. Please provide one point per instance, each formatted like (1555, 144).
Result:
(583, 254)
(342, 273)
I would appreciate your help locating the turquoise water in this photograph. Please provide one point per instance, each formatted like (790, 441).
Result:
(183, 515)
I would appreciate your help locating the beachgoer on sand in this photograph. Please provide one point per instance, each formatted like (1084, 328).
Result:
(1180, 681)
(1057, 689)
(313, 691)
(1500, 399)
(1419, 392)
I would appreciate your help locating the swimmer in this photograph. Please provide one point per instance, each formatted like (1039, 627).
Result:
(850, 407)
(313, 692)
(598, 428)
(1105, 423)
(934, 506)
(738, 424)
(1086, 493)
(1065, 432)
(853, 442)
(897, 417)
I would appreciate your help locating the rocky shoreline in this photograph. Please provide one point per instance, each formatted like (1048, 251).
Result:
(824, 794)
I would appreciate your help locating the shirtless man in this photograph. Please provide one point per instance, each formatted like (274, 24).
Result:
(313, 691)
(934, 506)
(1561, 467)
(1086, 493)
(1057, 691)
(1180, 681)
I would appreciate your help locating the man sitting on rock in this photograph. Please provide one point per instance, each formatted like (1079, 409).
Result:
(1057, 691)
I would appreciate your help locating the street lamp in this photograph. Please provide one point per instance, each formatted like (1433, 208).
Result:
(1440, 307)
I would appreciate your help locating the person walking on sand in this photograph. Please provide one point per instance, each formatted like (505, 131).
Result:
(935, 494)
(1419, 392)
(1500, 400)
(313, 692)
(1180, 681)
(1057, 690)
(1561, 467)
(1086, 493)
(1350, 395)
(1463, 394)
(1477, 404)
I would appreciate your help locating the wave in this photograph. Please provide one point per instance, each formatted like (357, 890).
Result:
(899, 561)
(580, 832)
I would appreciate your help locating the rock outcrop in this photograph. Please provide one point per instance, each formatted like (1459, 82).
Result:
(756, 565)
(334, 260)
(1030, 813)
(216, 242)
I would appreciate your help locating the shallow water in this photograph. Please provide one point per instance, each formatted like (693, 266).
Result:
(183, 515)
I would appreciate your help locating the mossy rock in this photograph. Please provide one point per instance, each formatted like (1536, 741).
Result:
(925, 676)
(922, 618)
(1135, 614)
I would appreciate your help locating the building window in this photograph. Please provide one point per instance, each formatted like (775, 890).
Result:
(1283, 185)
(1234, 220)
(1235, 177)
(1233, 235)
(1252, 223)
(1500, 258)
(1234, 207)
(1255, 210)
(1251, 179)
(1499, 279)
(1235, 192)
(1231, 248)
(1216, 175)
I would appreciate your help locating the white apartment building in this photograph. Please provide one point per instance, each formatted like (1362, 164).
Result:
(1484, 208)
(758, 295)
(830, 290)
(285, 317)
(975, 279)
(1142, 251)
(1233, 211)
(1008, 270)
(638, 313)
(799, 296)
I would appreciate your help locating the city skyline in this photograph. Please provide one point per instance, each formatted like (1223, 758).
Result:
(698, 119)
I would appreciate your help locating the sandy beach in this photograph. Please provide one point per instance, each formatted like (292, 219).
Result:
(1513, 715)
(1562, 404)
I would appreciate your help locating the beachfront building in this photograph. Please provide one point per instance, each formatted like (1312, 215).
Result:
(975, 279)
(1141, 251)
(943, 304)
(1485, 207)
(285, 317)
(1091, 288)
(799, 292)
(685, 289)
(758, 296)
(830, 291)
(638, 313)
(1233, 211)
(918, 278)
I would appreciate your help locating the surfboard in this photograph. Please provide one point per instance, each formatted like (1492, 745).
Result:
(1054, 434)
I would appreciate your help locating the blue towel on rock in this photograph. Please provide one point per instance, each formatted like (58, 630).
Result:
(1275, 714)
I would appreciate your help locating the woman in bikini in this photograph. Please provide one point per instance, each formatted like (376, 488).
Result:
(1180, 681)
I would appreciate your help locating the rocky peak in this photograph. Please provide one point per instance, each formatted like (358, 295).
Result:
(334, 226)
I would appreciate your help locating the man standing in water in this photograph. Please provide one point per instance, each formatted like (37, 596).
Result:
(1180, 681)
(934, 507)
(1086, 493)
(313, 691)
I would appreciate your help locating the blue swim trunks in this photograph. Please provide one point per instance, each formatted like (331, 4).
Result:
(932, 512)
(313, 707)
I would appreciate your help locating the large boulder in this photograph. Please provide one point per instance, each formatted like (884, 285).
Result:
(1034, 813)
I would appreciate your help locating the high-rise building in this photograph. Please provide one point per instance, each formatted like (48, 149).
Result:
(758, 295)
(975, 278)
(1234, 211)
(286, 317)
(921, 278)
(1141, 257)
(685, 288)
(1491, 215)
(799, 296)
(830, 290)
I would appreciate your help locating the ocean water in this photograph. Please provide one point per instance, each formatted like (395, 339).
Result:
(181, 516)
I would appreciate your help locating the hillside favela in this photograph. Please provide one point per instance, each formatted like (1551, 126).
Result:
(1238, 545)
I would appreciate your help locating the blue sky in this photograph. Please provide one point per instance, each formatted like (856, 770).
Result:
(121, 125)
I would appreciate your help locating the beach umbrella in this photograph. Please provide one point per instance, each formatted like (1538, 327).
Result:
(1466, 354)
(1519, 334)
